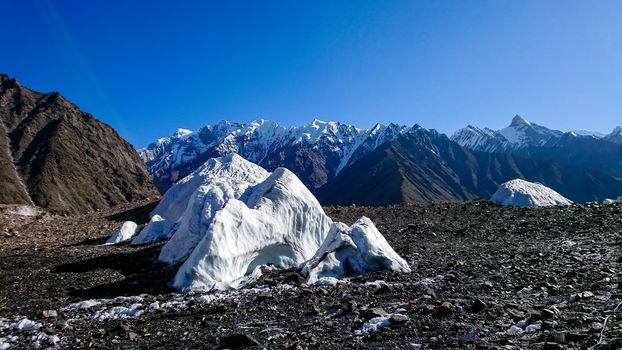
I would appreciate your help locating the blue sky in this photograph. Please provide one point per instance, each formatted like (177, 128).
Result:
(149, 67)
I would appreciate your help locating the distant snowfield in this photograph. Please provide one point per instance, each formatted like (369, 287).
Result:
(521, 193)
(230, 216)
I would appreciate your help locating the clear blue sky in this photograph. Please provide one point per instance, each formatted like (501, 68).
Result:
(149, 67)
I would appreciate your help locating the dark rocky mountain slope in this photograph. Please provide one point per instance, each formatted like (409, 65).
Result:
(58, 157)
(423, 165)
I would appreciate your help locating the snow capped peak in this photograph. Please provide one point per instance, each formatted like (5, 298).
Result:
(520, 134)
(588, 133)
(316, 123)
(476, 138)
(519, 121)
(615, 136)
(377, 128)
(523, 193)
(179, 133)
(263, 142)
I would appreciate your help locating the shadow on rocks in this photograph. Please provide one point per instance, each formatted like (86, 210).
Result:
(139, 215)
(90, 241)
(142, 271)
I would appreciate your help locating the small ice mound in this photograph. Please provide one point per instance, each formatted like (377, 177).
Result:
(158, 229)
(193, 201)
(352, 251)
(612, 201)
(521, 193)
(277, 222)
(124, 234)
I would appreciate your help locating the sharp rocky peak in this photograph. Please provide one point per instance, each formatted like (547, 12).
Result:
(519, 121)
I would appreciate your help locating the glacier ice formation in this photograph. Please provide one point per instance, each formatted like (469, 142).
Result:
(521, 193)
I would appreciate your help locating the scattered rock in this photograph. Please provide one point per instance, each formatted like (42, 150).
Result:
(397, 319)
(374, 312)
(50, 314)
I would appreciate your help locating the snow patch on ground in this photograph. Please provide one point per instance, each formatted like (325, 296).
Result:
(376, 324)
(521, 193)
(82, 305)
(430, 281)
(21, 210)
(373, 325)
(119, 312)
(26, 325)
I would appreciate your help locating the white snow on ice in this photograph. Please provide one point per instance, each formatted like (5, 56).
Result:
(521, 193)
(278, 223)
(26, 325)
(230, 216)
(158, 229)
(349, 251)
(193, 201)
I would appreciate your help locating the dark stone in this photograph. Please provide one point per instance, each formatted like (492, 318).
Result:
(442, 310)
(294, 278)
(374, 312)
(238, 341)
(552, 346)
(478, 306)
(576, 337)
(547, 314)
(487, 285)
(383, 289)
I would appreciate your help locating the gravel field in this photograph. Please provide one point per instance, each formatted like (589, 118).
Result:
(484, 277)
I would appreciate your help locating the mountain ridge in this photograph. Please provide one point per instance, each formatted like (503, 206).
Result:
(316, 152)
(425, 166)
(58, 157)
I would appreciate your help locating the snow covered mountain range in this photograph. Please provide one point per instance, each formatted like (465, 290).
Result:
(392, 163)
(521, 134)
(602, 153)
(316, 152)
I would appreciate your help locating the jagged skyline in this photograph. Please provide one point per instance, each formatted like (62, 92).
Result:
(147, 68)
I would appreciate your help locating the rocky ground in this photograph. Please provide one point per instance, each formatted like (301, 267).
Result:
(484, 277)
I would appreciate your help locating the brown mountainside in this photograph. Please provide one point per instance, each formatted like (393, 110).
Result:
(58, 157)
